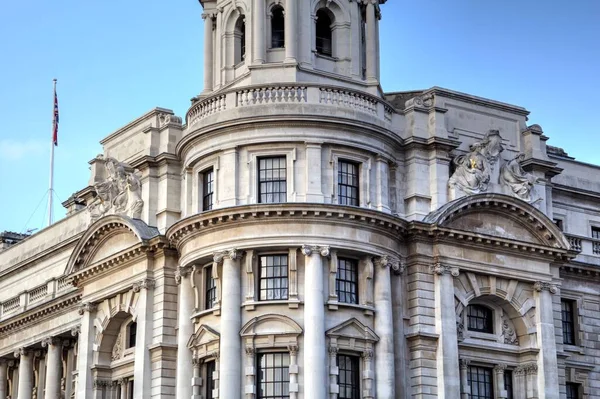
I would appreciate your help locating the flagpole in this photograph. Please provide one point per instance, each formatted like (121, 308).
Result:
(52, 145)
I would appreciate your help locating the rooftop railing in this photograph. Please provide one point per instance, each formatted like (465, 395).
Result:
(584, 245)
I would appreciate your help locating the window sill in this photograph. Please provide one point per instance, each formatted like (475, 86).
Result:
(481, 335)
(216, 311)
(325, 57)
(367, 310)
(251, 305)
(574, 349)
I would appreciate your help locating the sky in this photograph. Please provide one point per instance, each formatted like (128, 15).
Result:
(115, 60)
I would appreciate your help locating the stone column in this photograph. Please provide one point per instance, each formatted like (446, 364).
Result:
(500, 388)
(197, 380)
(383, 189)
(291, 30)
(448, 378)
(293, 370)
(371, 44)
(315, 361)
(123, 383)
(465, 389)
(53, 367)
(142, 367)
(25, 388)
(185, 331)
(547, 367)
(230, 373)
(334, 372)
(258, 31)
(384, 349)
(3, 378)
(208, 52)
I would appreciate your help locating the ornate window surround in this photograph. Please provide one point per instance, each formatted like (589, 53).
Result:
(205, 345)
(577, 301)
(212, 161)
(199, 282)
(364, 174)
(504, 331)
(254, 154)
(365, 283)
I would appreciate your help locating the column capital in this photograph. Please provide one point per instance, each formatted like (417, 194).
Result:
(311, 249)
(531, 368)
(182, 272)
(540, 286)
(367, 354)
(440, 269)
(396, 264)
(206, 15)
(333, 350)
(87, 307)
(22, 352)
(145, 284)
(123, 381)
(50, 341)
(232, 254)
(75, 331)
(293, 349)
(500, 368)
(249, 350)
(464, 363)
(196, 362)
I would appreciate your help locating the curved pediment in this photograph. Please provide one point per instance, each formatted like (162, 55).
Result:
(499, 216)
(271, 324)
(107, 237)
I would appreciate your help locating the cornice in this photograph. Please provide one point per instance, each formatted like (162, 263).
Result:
(577, 191)
(578, 270)
(430, 143)
(161, 159)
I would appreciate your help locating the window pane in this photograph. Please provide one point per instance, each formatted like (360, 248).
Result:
(207, 189)
(211, 288)
(572, 390)
(348, 183)
(480, 318)
(272, 184)
(273, 277)
(481, 383)
(349, 378)
(568, 321)
(210, 383)
(273, 376)
(346, 281)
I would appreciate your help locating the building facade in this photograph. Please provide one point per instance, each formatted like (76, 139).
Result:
(303, 234)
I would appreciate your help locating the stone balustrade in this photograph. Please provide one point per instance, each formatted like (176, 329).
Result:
(341, 98)
(42, 293)
(588, 248)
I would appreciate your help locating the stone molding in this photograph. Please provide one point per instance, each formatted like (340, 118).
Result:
(311, 249)
(540, 286)
(39, 314)
(182, 272)
(232, 254)
(87, 307)
(51, 341)
(441, 269)
(145, 284)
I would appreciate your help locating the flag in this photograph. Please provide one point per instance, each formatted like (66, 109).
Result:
(55, 120)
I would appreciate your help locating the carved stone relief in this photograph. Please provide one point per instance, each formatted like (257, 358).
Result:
(120, 193)
(519, 182)
(117, 349)
(508, 332)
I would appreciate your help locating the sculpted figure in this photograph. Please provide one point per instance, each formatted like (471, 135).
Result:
(520, 182)
(120, 193)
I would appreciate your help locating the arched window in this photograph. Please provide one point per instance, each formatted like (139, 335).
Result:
(277, 28)
(240, 39)
(324, 35)
(131, 334)
(480, 318)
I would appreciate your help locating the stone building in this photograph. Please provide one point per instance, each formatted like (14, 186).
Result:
(303, 234)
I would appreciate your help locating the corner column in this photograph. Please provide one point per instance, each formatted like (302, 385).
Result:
(385, 380)
(291, 30)
(3, 378)
(185, 330)
(371, 49)
(547, 367)
(258, 32)
(465, 389)
(53, 367)
(25, 373)
(315, 360)
(142, 372)
(208, 52)
(85, 356)
(448, 378)
(230, 371)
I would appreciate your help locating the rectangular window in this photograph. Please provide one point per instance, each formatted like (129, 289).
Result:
(480, 318)
(559, 224)
(273, 277)
(481, 382)
(211, 288)
(348, 183)
(346, 281)
(208, 188)
(508, 384)
(272, 183)
(349, 377)
(572, 390)
(210, 383)
(568, 321)
(273, 376)
(596, 232)
(130, 389)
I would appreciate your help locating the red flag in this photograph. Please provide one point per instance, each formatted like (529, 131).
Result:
(55, 121)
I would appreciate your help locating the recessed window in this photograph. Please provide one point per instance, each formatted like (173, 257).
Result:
(480, 318)
(131, 334)
(273, 376)
(596, 232)
(273, 277)
(211, 288)
(572, 390)
(508, 384)
(208, 188)
(349, 377)
(348, 183)
(210, 383)
(272, 183)
(567, 308)
(240, 39)
(277, 28)
(481, 382)
(324, 37)
(346, 281)
(558, 223)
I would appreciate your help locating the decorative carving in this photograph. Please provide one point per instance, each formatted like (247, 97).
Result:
(520, 182)
(75, 331)
(474, 170)
(293, 349)
(508, 333)
(531, 368)
(367, 354)
(464, 363)
(500, 368)
(333, 350)
(249, 350)
(117, 350)
(389, 261)
(145, 284)
(21, 352)
(87, 307)
(166, 119)
(182, 272)
(50, 341)
(120, 193)
(425, 101)
(540, 286)
(460, 328)
(308, 250)
(232, 254)
(441, 269)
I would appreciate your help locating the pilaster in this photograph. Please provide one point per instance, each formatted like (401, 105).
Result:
(3, 378)
(85, 356)
(53, 367)
(547, 366)
(185, 330)
(142, 368)
(25, 373)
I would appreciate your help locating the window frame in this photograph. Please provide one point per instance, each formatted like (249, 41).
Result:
(259, 371)
(488, 318)
(277, 8)
(253, 178)
(470, 381)
(210, 385)
(355, 274)
(239, 40)
(331, 18)
(281, 159)
(573, 385)
(509, 385)
(351, 201)
(128, 329)
(204, 189)
(210, 287)
(260, 290)
(364, 177)
(573, 341)
(355, 385)
(594, 232)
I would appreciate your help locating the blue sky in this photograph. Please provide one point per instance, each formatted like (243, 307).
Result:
(116, 60)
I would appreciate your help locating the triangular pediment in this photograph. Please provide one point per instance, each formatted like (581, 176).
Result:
(353, 328)
(203, 336)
